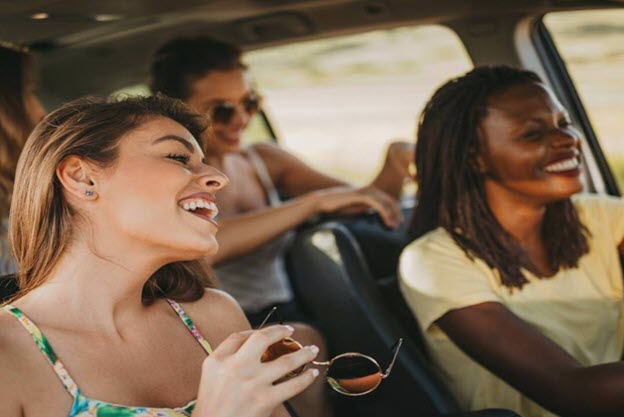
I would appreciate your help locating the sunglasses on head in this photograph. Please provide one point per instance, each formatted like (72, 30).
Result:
(350, 373)
(223, 111)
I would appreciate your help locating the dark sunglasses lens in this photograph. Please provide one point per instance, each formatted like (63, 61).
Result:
(354, 374)
(222, 113)
(252, 105)
(281, 348)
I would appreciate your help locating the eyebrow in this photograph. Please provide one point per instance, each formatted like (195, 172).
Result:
(175, 138)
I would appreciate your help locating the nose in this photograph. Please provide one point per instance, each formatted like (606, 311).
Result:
(566, 138)
(241, 116)
(213, 179)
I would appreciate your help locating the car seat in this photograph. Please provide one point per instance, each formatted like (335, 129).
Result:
(344, 274)
(8, 287)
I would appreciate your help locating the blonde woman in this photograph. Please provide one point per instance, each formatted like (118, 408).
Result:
(113, 204)
(20, 110)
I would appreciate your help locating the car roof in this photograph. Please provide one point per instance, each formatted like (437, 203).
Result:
(247, 22)
(102, 46)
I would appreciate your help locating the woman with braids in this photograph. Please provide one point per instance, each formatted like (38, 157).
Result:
(514, 279)
(20, 111)
(113, 205)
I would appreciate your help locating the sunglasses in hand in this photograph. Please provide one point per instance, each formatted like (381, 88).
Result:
(223, 111)
(350, 373)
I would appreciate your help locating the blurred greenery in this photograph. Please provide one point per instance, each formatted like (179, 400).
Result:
(356, 58)
(338, 102)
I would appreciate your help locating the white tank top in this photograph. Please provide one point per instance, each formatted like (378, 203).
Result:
(258, 279)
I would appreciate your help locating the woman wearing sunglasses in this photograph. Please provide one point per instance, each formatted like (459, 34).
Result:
(113, 206)
(515, 279)
(209, 76)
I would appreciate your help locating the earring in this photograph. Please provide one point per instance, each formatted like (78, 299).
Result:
(89, 193)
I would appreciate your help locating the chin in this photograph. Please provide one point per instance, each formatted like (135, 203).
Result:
(231, 147)
(198, 250)
(563, 194)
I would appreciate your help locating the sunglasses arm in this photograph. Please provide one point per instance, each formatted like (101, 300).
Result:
(396, 348)
(273, 310)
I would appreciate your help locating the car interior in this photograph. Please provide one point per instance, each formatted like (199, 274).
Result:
(343, 269)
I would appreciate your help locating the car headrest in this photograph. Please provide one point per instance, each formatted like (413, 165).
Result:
(8, 287)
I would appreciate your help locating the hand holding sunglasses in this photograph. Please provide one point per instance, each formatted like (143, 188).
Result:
(234, 382)
(350, 373)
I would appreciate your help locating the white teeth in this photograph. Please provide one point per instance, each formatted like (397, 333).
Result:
(214, 211)
(565, 165)
(195, 204)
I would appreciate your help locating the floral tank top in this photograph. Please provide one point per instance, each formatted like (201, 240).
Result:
(88, 407)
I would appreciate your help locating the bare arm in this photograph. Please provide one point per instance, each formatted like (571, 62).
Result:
(290, 174)
(295, 177)
(313, 193)
(533, 364)
(244, 233)
(395, 169)
(11, 405)
(10, 398)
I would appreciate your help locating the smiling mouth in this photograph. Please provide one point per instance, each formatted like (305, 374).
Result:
(565, 165)
(207, 210)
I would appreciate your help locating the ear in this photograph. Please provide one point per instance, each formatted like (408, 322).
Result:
(480, 164)
(477, 160)
(76, 176)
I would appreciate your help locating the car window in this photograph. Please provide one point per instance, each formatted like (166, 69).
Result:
(592, 45)
(337, 103)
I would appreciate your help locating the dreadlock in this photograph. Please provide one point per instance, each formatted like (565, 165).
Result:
(451, 191)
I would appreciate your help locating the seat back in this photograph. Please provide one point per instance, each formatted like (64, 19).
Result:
(8, 287)
(334, 281)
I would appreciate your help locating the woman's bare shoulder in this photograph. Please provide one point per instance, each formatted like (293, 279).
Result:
(14, 369)
(217, 315)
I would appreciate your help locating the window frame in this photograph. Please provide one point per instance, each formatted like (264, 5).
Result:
(559, 77)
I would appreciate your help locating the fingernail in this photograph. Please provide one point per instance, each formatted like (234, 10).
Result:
(290, 328)
(314, 349)
(315, 372)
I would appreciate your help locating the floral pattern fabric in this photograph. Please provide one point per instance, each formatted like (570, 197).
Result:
(88, 407)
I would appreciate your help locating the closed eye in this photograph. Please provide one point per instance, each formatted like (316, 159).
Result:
(180, 157)
(532, 134)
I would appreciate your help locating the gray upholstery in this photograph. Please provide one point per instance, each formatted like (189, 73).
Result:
(343, 273)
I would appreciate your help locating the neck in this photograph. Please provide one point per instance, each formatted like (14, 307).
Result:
(518, 215)
(100, 287)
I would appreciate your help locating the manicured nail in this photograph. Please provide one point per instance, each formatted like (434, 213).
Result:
(290, 328)
(314, 349)
(315, 372)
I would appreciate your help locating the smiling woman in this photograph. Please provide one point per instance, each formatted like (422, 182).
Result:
(514, 279)
(114, 205)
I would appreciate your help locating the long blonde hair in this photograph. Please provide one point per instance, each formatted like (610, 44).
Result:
(41, 220)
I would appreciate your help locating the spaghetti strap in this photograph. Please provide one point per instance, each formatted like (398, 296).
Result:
(264, 176)
(44, 348)
(190, 326)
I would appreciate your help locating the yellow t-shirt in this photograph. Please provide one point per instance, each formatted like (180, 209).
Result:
(581, 309)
